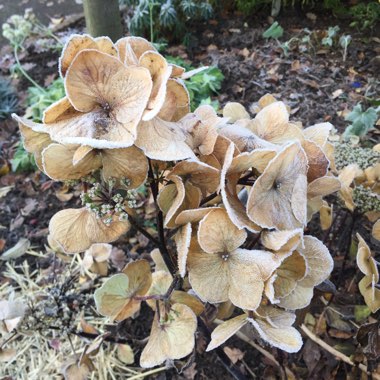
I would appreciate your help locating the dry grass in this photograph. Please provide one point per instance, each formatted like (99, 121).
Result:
(40, 356)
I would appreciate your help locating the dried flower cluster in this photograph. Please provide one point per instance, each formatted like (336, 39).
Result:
(235, 192)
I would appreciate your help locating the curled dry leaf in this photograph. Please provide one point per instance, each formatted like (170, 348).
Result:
(367, 285)
(96, 258)
(376, 230)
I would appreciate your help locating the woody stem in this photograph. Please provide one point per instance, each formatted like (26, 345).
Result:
(160, 224)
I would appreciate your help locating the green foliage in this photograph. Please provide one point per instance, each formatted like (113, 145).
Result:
(274, 31)
(8, 99)
(361, 312)
(365, 15)
(23, 161)
(38, 101)
(166, 17)
(332, 33)
(361, 121)
(203, 85)
(247, 7)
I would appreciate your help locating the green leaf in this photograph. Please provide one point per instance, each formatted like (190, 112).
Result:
(274, 31)
(362, 121)
(361, 312)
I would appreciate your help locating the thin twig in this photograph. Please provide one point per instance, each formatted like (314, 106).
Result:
(208, 198)
(339, 355)
(147, 373)
(23, 72)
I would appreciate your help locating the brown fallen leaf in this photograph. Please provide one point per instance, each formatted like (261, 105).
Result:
(234, 354)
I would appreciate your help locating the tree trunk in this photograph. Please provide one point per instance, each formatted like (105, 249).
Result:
(103, 18)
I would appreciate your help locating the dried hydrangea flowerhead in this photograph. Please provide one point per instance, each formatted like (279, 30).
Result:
(278, 197)
(292, 284)
(220, 271)
(172, 336)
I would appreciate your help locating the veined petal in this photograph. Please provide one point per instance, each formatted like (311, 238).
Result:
(128, 163)
(226, 330)
(163, 140)
(248, 270)
(75, 230)
(217, 234)
(58, 162)
(160, 72)
(278, 197)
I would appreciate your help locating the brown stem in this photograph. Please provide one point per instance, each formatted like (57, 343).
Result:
(208, 198)
(160, 224)
(253, 242)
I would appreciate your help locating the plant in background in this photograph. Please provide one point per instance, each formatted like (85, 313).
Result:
(365, 15)
(344, 41)
(332, 33)
(112, 134)
(37, 100)
(202, 85)
(8, 99)
(17, 29)
(22, 161)
(166, 17)
(361, 121)
(275, 31)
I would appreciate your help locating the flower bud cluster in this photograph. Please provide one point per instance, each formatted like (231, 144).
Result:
(346, 154)
(365, 199)
(102, 200)
(17, 29)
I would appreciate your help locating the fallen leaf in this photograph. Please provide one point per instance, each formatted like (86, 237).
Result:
(30, 205)
(337, 93)
(125, 353)
(234, 354)
(17, 251)
(7, 354)
(5, 190)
